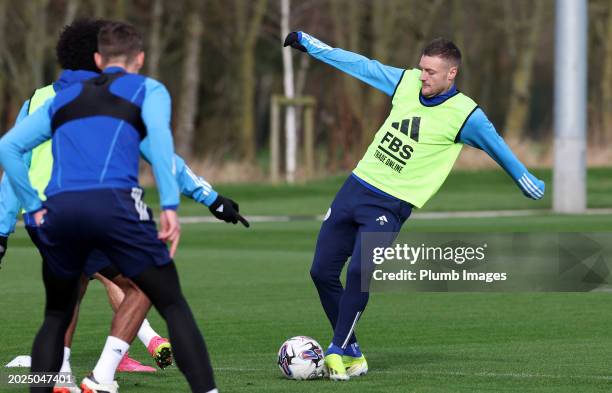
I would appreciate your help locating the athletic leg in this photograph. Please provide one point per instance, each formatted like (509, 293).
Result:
(117, 286)
(131, 305)
(356, 294)
(47, 350)
(60, 271)
(115, 351)
(131, 241)
(373, 213)
(113, 292)
(84, 282)
(334, 245)
(161, 285)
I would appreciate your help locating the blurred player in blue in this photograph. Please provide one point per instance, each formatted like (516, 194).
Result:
(98, 127)
(410, 157)
(75, 53)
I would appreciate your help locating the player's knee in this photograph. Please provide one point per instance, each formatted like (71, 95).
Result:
(316, 273)
(62, 303)
(124, 283)
(133, 295)
(353, 275)
(59, 319)
(175, 308)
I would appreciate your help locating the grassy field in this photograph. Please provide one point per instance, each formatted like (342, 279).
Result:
(481, 190)
(250, 290)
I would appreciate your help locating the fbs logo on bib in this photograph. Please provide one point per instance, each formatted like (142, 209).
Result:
(394, 152)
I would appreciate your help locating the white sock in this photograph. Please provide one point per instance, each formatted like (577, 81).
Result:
(66, 363)
(146, 333)
(213, 391)
(113, 352)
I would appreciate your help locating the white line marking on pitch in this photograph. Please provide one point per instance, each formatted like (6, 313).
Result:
(510, 375)
(415, 216)
(454, 373)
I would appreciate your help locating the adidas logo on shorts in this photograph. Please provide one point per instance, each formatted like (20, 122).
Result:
(382, 220)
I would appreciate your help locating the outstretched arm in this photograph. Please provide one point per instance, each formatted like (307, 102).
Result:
(9, 204)
(25, 136)
(190, 185)
(156, 109)
(382, 77)
(156, 112)
(198, 189)
(480, 133)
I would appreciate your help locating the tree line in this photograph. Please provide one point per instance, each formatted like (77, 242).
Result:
(222, 61)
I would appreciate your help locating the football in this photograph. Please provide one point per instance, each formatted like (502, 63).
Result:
(301, 358)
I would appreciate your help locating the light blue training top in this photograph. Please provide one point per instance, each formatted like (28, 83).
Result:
(477, 132)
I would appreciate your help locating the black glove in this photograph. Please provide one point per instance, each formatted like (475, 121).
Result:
(227, 210)
(3, 246)
(293, 39)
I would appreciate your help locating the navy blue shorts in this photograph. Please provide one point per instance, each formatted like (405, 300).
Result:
(96, 262)
(114, 221)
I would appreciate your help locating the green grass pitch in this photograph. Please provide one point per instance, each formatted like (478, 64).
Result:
(250, 290)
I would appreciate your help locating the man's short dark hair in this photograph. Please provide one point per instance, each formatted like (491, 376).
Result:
(445, 49)
(77, 44)
(119, 39)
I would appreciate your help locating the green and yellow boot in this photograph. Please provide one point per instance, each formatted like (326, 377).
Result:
(335, 367)
(355, 366)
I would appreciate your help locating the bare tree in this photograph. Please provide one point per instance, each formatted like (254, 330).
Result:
(347, 18)
(25, 67)
(289, 85)
(383, 22)
(247, 31)
(72, 7)
(190, 79)
(36, 40)
(120, 9)
(99, 9)
(423, 23)
(155, 40)
(606, 83)
(518, 108)
(366, 106)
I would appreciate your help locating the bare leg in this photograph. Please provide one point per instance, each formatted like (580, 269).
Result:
(115, 294)
(130, 305)
(75, 317)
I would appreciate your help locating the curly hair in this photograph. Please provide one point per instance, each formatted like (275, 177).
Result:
(77, 44)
